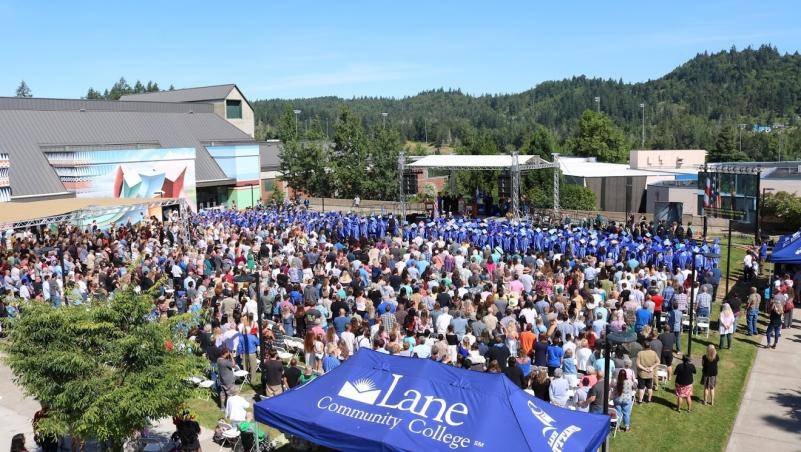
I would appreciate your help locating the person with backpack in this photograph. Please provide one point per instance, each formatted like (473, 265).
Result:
(775, 313)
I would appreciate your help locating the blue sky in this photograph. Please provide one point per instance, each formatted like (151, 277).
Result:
(347, 48)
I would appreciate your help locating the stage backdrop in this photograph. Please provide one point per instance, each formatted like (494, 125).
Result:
(128, 173)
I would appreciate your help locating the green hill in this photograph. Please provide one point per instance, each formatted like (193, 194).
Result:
(686, 108)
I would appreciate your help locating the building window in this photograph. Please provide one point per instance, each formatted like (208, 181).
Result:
(233, 109)
(269, 185)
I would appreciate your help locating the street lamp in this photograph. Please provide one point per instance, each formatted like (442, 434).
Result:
(762, 206)
(297, 113)
(692, 298)
(642, 107)
(384, 115)
(597, 100)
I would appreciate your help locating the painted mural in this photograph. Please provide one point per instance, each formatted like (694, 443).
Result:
(128, 173)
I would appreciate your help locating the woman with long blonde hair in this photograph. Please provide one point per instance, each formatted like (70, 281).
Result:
(709, 373)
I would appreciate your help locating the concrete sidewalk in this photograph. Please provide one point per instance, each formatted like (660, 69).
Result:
(770, 412)
(16, 411)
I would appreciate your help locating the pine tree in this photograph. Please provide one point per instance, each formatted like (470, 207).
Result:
(350, 155)
(23, 90)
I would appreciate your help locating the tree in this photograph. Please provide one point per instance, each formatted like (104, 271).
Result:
(783, 209)
(576, 197)
(725, 149)
(104, 370)
(92, 94)
(120, 89)
(349, 161)
(382, 177)
(23, 90)
(598, 137)
(304, 163)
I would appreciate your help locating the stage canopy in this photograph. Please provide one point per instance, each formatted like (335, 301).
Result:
(787, 249)
(456, 162)
(378, 402)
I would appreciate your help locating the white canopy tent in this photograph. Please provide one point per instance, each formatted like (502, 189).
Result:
(513, 163)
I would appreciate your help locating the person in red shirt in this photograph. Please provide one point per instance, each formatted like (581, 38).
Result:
(658, 299)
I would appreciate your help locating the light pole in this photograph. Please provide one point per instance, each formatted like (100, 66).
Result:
(597, 100)
(384, 117)
(297, 113)
(642, 142)
(740, 136)
(761, 206)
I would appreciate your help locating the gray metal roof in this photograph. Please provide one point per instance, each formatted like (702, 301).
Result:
(45, 104)
(201, 94)
(25, 132)
(270, 155)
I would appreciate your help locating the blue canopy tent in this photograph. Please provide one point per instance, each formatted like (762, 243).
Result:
(787, 250)
(378, 402)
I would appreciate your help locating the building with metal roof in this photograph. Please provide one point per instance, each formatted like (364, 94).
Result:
(226, 100)
(52, 148)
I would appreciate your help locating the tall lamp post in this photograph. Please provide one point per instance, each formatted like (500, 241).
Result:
(642, 141)
(692, 298)
(297, 113)
(597, 100)
(760, 206)
(384, 117)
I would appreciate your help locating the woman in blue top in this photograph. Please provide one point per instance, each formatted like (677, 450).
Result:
(555, 354)
(569, 368)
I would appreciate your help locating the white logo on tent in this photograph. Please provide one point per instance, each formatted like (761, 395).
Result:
(556, 439)
(362, 390)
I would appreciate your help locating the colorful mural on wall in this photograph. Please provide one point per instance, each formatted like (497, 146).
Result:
(128, 173)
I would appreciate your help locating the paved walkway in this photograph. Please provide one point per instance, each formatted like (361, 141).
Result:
(770, 412)
(16, 411)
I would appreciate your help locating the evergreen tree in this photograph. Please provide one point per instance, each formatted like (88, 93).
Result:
(350, 155)
(92, 94)
(382, 177)
(23, 90)
(138, 87)
(725, 149)
(119, 89)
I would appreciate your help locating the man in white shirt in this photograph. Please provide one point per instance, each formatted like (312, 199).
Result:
(443, 321)
(349, 338)
(236, 409)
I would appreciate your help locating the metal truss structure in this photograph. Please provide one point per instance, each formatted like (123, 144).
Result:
(515, 169)
(89, 212)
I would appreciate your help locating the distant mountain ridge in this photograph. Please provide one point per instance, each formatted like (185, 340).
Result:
(686, 108)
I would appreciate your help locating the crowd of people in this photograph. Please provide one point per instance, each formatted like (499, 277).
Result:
(531, 301)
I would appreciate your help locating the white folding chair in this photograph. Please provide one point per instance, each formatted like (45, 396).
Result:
(661, 374)
(685, 320)
(230, 436)
(703, 323)
(208, 385)
(614, 422)
(244, 375)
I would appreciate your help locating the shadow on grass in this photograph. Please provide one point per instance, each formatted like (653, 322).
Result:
(790, 399)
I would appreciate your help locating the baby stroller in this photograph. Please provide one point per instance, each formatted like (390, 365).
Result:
(248, 442)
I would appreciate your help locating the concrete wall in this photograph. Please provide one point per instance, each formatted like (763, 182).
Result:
(788, 185)
(688, 196)
(610, 192)
(642, 159)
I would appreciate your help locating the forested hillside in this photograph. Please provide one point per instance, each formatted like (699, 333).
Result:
(712, 100)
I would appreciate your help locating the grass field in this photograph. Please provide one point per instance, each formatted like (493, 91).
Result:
(657, 426)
